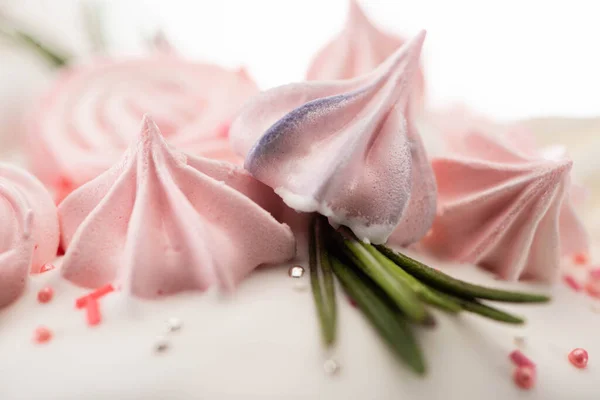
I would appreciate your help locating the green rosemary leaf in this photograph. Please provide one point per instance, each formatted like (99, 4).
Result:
(397, 289)
(388, 322)
(321, 280)
(51, 56)
(484, 310)
(448, 284)
(426, 294)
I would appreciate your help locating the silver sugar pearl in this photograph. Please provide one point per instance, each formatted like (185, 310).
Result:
(331, 367)
(296, 271)
(174, 324)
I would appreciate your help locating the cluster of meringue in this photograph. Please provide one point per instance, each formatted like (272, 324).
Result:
(344, 143)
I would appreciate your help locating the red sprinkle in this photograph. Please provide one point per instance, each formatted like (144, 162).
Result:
(93, 312)
(42, 334)
(95, 295)
(64, 186)
(524, 377)
(223, 130)
(593, 288)
(579, 358)
(581, 258)
(47, 267)
(45, 295)
(520, 359)
(572, 283)
(595, 273)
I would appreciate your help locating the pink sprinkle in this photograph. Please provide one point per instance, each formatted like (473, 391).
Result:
(223, 130)
(595, 274)
(42, 334)
(524, 377)
(579, 358)
(45, 295)
(593, 288)
(352, 302)
(47, 267)
(520, 359)
(95, 295)
(93, 312)
(580, 258)
(572, 283)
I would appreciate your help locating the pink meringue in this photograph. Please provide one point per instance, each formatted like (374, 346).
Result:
(160, 222)
(504, 207)
(28, 232)
(357, 50)
(346, 149)
(84, 124)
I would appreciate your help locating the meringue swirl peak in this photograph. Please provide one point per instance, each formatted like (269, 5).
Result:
(505, 206)
(160, 222)
(28, 233)
(346, 149)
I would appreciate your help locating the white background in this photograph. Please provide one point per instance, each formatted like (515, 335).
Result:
(509, 58)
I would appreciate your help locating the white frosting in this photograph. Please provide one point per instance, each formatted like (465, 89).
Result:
(263, 342)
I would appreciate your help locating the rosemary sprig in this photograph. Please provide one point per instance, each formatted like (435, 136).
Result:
(446, 283)
(484, 310)
(426, 294)
(321, 280)
(390, 324)
(55, 59)
(397, 289)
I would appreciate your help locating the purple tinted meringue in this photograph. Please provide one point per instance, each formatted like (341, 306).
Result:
(346, 149)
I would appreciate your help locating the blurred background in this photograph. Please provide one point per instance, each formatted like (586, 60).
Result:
(511, 59)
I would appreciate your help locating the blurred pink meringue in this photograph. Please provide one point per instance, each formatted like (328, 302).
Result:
(85, 123)
(160, 222)
(28, 232)
(357, 50)
(347, 149)
(503, 203)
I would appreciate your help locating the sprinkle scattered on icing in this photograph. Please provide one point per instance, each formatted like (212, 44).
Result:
(520, 359)
(47, 267)
(579, 358)
(42, 334)
(595, 273)
(581, 259)
(572, 282)
(92, 309)
(331, 367)
(45, 295)
(524, 377)
(95, 295)
(296, 271)
(174, 324)
(592, 288)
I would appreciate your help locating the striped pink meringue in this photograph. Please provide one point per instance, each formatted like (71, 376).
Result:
(357, 50)
(85, 123)
(160, 222)
(347, 149)
(503, 204)
(28, 230)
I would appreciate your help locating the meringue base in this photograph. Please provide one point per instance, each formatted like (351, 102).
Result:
(263, 342)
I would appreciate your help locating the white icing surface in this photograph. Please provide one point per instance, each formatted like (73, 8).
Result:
(262, 342)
